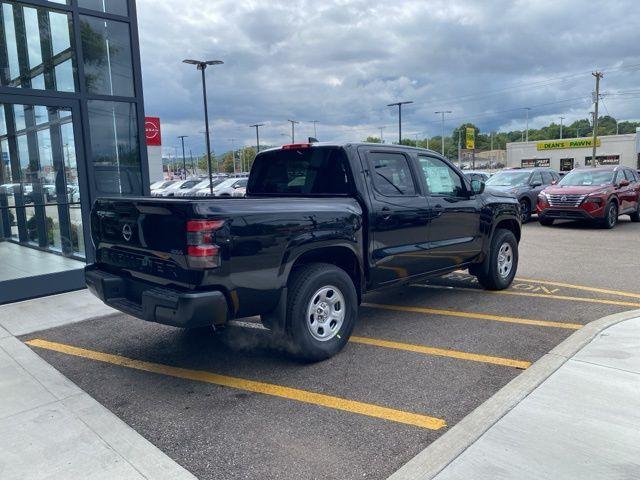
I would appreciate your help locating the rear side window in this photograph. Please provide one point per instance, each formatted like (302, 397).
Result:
(305, 171)
(391, 174)
(547, 178)
(537, 178)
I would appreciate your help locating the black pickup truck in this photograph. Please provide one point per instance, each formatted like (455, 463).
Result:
(321, 225)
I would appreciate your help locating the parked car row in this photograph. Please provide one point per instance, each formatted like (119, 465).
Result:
(48, 192)
(220, 186)
(598, 195)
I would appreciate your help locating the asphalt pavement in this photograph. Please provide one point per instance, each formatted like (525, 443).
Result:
(232, 405)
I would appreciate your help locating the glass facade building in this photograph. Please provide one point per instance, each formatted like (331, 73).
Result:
(71, 129)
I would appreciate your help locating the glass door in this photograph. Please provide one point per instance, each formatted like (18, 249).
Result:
(42, 185)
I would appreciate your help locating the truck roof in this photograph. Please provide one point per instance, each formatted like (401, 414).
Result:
(348, 144)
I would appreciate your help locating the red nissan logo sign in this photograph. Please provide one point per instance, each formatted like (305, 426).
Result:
(152, 131)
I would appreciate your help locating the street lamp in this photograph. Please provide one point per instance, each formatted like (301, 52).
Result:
(184, 160)
(442, 113)
(399, 105)
(202, 66)
(257, 126)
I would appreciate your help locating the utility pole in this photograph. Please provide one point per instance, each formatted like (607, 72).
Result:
(399, 105)
(617, 129)
(233, 153)
(491, 155)
(257, 126)
(526, 109)
(443, 113)
(184, 160)
(293, 130)
(459, 148)
(194, 169)
(315, 131)
(561, 119)
(598, 76)
(381, 134)
(416, 135)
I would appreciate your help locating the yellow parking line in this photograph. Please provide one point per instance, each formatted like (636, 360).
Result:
(304, 396)
(442, 352)
(409, 347)
(476, 316)
(618, 293)
(536, 295)
(553, 283)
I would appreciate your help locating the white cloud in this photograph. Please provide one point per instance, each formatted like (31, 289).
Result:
(341, 62)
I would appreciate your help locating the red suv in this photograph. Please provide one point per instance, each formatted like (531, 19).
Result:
(598, 194)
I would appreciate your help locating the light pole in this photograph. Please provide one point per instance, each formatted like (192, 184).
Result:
(443, 113)
(399, 105)
(293, 130)
(184, 160)
(526, 109)
(257, 126)
(202, 66)
(233, 152)
(315, 131)
(561, 119)
(381, 134)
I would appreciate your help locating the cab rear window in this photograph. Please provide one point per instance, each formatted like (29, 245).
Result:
(304, 171)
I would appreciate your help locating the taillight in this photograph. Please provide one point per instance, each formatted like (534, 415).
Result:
(202, 252)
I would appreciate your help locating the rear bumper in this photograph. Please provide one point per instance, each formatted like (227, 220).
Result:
(157, 303)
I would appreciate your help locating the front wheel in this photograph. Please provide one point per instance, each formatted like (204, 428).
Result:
(525, 211)
(498, 269)
(322, 309)
(610, 216)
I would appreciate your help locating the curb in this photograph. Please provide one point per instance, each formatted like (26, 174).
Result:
(439, 454)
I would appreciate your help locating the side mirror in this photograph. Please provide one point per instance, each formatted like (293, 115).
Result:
(477, 186)
(624, 183)
(535, 184)
(554, 182)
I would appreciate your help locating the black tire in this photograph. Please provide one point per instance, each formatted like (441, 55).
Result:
(488, 273)
(303, 285)
(635, 216)
(547, 222)
(525, 211)
(610, 216)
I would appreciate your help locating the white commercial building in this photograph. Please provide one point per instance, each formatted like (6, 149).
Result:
(568, 153)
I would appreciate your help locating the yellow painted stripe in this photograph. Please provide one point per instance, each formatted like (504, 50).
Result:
(441, 352)
(476, 316)
(408, 347)
(553, 283)
(618, 293)
(289, 393)
(603, 301)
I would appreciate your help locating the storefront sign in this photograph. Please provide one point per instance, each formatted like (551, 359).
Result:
(535, 162)
(567, 143)
(470, 136)
(152, 131)
(604, 160)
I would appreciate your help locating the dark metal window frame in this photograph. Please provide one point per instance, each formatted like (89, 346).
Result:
(78, 102)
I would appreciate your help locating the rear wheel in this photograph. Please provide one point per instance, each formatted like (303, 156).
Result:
(610, 216)
(547, 222)
(525, 211)
(500, 265)
(321, 311)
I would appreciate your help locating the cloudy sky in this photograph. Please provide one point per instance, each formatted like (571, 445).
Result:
(340, 62)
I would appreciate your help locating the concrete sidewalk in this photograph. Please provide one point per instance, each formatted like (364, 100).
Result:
(50, 428)
(574, 415)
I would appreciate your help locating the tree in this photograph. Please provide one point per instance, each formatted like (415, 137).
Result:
(373, 140)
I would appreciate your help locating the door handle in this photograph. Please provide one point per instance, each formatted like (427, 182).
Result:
(386, 213)
(438, 209)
